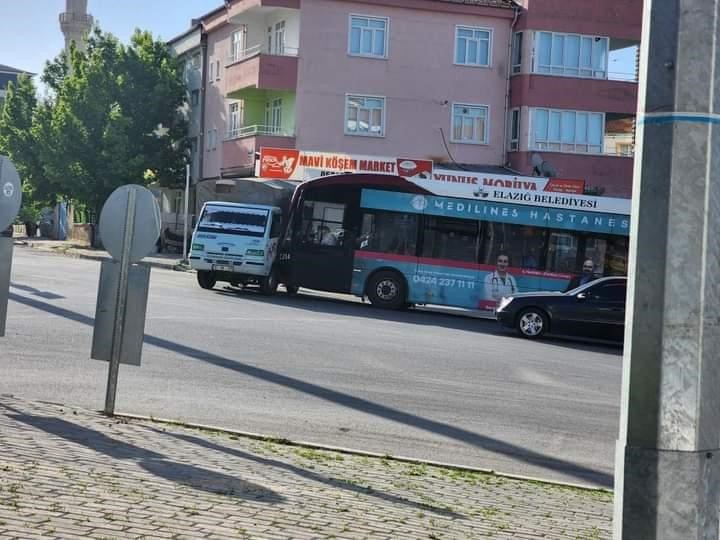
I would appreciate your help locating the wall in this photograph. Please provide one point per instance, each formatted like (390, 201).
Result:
(615, 18)
(416, 79)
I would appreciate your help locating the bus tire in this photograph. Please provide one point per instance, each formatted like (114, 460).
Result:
(206, 279)
(269, 284)
(387, 289)
(532, 323)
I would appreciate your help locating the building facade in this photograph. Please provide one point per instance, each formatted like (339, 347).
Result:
(420, 78)
(8, 75)
(573, 91)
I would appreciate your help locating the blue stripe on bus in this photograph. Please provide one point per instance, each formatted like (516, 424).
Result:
(552, 218)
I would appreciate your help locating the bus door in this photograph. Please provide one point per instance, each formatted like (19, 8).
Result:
(323, 247)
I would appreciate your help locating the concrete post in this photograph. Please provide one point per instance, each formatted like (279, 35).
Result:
(667, 474)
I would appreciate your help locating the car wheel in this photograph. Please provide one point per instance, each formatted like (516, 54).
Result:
(206, 279)
(532, 323)
(386, 289)
(269, 284)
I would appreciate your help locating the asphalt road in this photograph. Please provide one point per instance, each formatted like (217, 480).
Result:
(324, 370)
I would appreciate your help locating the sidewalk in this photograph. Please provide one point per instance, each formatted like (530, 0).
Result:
(70, 249)
(72, 473)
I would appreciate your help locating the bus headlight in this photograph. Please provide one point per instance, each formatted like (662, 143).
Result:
(198, 247)
(504, 302)
(255, 252)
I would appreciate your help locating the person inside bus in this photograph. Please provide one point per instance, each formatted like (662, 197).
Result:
(327, 238)
(586, 276)
(499, 282)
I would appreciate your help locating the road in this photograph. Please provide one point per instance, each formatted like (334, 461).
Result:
(323, 370)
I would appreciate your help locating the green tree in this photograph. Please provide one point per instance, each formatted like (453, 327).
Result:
(98, 128)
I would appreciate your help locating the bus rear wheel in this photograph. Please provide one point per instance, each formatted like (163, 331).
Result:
(206, 279)
(386, 289)
(269, 284)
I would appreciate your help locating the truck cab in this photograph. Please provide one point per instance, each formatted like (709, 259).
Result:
(236, 243)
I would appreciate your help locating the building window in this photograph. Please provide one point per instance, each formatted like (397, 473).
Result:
(469, 123)
(235, 113)
(514, 131)
(195, 98)
(211, 143)
(572, 55)
(217, 70)
(368, 36)
(238, 44)
(365, 115)
(279, 38)
(211, 74)
(473, 46)
(517, 45)
(567, 131)
(273, 116)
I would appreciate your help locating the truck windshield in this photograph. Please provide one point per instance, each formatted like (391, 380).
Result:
(234, 220)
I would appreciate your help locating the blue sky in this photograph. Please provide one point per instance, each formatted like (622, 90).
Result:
(30, 31)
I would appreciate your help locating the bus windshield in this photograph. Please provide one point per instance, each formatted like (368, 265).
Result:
(234, 220)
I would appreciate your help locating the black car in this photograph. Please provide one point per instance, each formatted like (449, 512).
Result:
(594, 310)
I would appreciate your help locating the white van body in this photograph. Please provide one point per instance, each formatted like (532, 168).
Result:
(236, 243)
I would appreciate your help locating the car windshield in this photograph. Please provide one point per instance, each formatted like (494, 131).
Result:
(234, 220)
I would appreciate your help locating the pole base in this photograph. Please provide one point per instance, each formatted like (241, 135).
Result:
(669, 495)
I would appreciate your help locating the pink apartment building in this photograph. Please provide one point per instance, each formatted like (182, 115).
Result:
(573, 91)
(419, 78)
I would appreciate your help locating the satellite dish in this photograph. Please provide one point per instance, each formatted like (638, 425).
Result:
(542, 167)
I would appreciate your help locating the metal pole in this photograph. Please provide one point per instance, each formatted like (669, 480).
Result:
(120, 304)
(667, 461)
(6, 252)
(187, 197)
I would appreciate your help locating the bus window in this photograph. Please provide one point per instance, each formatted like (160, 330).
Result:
(595, 250)
(389, 232)
(322, 223)
(452, 239)
(616, 257)
(562, 252)
(524, 245)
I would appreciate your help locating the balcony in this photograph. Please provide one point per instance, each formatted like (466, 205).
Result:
(254, 69)
(237, 10)
(239, 148)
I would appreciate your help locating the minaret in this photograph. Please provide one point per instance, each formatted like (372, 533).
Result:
(75, 23)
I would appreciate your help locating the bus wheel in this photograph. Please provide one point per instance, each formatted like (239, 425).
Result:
(206, 279)
(386, 289)
(532, 323)
(269, 284)
(292, 290)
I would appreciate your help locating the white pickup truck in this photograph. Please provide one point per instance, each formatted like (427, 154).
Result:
(237, 243)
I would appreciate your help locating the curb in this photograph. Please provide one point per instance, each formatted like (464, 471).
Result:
(71, 252)
(361, 453)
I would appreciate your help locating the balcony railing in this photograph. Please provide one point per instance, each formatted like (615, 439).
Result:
(254, 131)
(238, 55)
(69, 17)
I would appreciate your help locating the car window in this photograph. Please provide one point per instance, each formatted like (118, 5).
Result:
(608, 292)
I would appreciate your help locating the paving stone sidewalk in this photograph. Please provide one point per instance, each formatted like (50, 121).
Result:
(72, 473)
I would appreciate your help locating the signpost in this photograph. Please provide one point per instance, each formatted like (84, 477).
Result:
(10, 199)
(129, 229)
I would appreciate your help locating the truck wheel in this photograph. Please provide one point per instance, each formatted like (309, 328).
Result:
(206, 279)
(292, 290)
(532, 323)
(386, 289)
(269, 284)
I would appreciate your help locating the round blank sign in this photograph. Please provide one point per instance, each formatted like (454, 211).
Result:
(10, 192)
(146, 227)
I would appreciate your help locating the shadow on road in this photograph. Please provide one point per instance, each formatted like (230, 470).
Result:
(36, 292)
(310, 475)
(436, 317)
(352, 402)
(154, 463)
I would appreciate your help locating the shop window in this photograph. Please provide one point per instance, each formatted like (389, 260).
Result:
(389, 232)
(451, 239)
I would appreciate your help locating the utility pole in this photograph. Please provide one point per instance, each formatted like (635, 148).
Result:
(667, 480)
